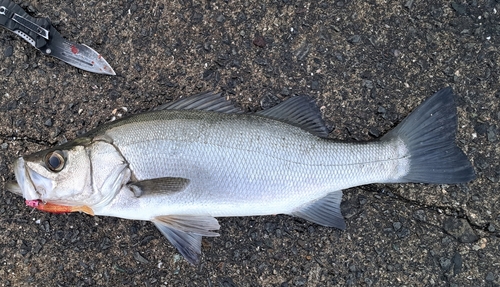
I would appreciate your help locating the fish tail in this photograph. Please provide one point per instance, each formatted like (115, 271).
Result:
(428, 135)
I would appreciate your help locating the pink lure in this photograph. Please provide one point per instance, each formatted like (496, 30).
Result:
(32, 203)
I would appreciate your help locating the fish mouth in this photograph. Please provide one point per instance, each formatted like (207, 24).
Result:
(28, 180)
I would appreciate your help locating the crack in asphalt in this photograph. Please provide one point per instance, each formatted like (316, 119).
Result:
(14, 138)
(445, 210)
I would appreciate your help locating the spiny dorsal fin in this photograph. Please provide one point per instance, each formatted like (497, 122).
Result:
(324, 211)
(208, 101)
(185, 232)
(159, 185)
(300, 111)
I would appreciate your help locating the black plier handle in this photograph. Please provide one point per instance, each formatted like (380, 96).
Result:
(36, 31)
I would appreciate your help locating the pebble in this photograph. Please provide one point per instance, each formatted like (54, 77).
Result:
(221, 19)
(352, 268)
(242, 17)
(481, 244)
(381, 110)
(315, 85)
(31, 9)
(460, 229)
(420, 215)
(481, 128)
(50, 64)
(269, 100)
(490, 276)
(207, 46)
(4, 146)
(197, 17)
(408, 4)
(302, 243)
(8, 51)
(48, 122)
(138, 257)
(37, 248)
(260, 61)
(302, 52)
(459, 8)
(285, 92)
(404, 232)
(12, 105)
(457, 263)
(301, 281)
(396, 225)
(339, 57)
(374, 132)
(138, 67)
(492, 134)
(105, 243)
(259, 41)
(445, 263)
(362, 200)
(354, 39)
(491, 227)
(133, 8)
(368, 84)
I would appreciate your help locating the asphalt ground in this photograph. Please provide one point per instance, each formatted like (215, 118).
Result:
(366, 63)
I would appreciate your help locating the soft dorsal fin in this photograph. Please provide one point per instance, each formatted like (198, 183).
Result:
(300, 111)
(208, 101)
(324, 211)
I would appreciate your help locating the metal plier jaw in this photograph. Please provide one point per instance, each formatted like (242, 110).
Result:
(40, 33)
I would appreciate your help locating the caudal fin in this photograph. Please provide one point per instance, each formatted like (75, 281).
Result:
(429, 137)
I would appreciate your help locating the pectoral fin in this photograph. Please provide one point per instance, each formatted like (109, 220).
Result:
(185, 232)
(159, 186)
(324, 211)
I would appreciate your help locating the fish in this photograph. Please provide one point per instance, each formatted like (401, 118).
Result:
(187, 162)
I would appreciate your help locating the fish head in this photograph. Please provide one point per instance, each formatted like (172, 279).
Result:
(78, 173)
(59, 174)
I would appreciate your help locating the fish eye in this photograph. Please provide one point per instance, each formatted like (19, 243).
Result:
(55, 161)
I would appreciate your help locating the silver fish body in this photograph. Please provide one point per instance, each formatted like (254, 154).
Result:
(241, 165)
(187, 163)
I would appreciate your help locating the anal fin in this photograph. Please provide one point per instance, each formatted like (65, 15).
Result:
(185, 232)
(324, 211)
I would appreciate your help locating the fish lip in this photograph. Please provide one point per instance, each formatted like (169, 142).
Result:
(24, 180)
